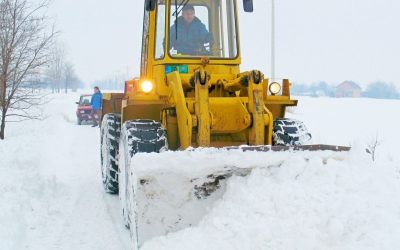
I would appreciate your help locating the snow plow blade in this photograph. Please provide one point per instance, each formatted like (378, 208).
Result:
(315, 147)
(174, 190)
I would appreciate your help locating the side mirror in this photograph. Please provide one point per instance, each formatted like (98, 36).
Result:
(77, 103)
(150, 5)
(248, 5)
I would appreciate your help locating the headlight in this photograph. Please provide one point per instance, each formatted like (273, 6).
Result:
(146, 86)
(82, 111)
(274, 88)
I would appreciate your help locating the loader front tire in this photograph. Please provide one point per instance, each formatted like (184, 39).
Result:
(289, 132)
(136, 136)
(110, 134)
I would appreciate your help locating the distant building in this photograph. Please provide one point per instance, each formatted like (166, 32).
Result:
(348, 89)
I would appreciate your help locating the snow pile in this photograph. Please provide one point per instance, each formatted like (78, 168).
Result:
(307, 201)
(28, 198)
(176, 189)
(28, 202)
(51, 195)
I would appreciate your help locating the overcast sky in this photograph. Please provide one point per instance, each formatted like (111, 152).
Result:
(330, 40)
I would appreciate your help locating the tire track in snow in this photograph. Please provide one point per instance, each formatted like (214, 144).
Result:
(87, 218)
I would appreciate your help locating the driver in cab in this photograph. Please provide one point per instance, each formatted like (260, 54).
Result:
(188, 35)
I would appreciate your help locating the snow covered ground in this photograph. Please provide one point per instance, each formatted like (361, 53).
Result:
(306, 201)
(51, 195)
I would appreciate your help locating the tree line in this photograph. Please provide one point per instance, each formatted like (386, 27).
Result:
(60, 75)
(113, 82)
(378, 89)
(30, 59)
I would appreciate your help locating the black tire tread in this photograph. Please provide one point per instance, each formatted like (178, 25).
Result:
(140, 136)
(289, 132)
(145, 136)
(111, 125)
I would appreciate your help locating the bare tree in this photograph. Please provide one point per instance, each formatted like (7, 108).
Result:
(55, 71)
(372, 146)
(61, 73)
(25, 42)
(71, 79)
(70, 76)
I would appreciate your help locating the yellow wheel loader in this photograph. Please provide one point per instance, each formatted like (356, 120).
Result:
(190, 95)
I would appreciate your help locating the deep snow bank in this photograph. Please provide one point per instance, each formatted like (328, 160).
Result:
(307, 201)
(175, 190)
(51, 195)
(29, 196)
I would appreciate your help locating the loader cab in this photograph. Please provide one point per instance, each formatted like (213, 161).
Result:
(183, 32)
(196, 29)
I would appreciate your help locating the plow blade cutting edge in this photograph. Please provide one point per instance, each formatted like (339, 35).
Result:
(174, 190)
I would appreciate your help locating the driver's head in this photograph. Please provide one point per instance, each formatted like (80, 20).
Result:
(188, 13)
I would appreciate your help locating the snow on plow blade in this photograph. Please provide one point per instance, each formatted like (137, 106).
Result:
(315, 147)
(174, 190)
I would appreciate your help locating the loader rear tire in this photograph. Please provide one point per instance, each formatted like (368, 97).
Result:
(110, 134)
(289, 132)
(136, 136)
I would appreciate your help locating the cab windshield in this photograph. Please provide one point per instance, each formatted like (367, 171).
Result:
(197, 28)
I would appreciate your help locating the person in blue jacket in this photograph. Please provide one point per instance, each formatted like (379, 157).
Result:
(192, 34)
(96, 102)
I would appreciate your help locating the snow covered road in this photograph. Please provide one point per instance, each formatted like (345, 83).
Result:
(51, 195)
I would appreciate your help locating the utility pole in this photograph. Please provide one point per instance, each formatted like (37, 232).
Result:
(272, 39)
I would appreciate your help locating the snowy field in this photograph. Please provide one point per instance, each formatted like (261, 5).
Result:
(51, 195)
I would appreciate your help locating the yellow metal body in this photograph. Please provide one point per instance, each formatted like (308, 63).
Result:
(210, 104)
